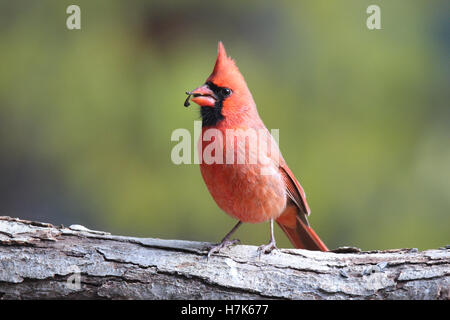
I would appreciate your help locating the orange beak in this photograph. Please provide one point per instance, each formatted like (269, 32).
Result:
(203, 96)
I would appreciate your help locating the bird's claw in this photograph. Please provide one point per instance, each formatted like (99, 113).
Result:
(267, 248)
(220, 246)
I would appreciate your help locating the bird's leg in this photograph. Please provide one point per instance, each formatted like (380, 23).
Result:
(268, 248)
(225, 241)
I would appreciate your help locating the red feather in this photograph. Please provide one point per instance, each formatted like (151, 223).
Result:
(240, 189)
(293, 220)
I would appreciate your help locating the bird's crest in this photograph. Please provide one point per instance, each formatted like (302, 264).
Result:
(225, 72)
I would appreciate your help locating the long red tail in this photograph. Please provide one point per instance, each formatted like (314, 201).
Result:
(293, 221)
(300, 235)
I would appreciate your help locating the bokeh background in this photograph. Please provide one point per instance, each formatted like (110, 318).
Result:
(86, 116)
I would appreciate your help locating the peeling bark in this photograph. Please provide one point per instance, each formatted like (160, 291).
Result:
(39, 260)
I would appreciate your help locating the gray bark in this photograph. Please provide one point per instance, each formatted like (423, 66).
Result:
(39, 260)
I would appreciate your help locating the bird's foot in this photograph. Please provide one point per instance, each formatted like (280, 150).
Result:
(267, 248)
(220, 246)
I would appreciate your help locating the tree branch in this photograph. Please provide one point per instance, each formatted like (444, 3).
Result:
(39, 260)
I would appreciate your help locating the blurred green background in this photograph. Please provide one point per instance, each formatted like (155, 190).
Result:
(86, 116)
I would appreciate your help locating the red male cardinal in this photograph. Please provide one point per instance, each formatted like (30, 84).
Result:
(250, 191)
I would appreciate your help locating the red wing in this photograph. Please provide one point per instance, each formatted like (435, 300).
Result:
(293, 220)
(294, 190)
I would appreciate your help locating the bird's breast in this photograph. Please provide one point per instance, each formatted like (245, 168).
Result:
(247, 190)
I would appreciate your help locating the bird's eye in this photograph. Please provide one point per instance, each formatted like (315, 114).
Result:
(225, 92)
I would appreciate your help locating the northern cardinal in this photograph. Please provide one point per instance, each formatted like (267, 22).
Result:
(250, 192)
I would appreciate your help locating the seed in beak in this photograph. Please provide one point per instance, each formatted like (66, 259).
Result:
(186, 102)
